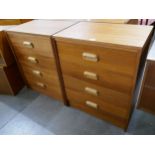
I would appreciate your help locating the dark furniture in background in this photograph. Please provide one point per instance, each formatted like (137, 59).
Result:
(10, 78)
(147, 94)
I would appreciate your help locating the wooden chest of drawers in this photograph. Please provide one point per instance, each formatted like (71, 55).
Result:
(147, 94)
(10, 78)
(100, 64)
(32, 46)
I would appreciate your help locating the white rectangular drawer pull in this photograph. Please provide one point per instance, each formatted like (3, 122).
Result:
(90, 57)
(91, 104)
(36, 72)
(32, 59)
(91, 91)
(28, 44)
(90, 75)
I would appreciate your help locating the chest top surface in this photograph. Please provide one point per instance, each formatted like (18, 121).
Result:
(105, 33)
(43, 27)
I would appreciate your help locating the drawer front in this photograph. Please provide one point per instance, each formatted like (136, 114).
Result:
(46, 88)
(120, 122)
(110, 96)
(95, 104)
(33, 60)
(23, 43)
(99, 58)
(108, 79)
(44, 75)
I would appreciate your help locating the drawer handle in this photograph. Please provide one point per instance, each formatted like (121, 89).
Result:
(32, 59)
(28, 44)
(90, 75)
(90, 57)
(41, 85)
(91, 104)
(91, 91)
(36, 72)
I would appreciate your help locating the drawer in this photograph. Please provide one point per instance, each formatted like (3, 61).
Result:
(33, 60)
(45, 75)
(46, 88)
(99, 58)
(80, 99)
(37, 44)
(108, 79)
(98, 93)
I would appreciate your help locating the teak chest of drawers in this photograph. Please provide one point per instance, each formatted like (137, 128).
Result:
(147, 93)
(99, 64)
(10, 79)
(34, 51)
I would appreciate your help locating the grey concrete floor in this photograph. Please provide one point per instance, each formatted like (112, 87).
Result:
(31, 113)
